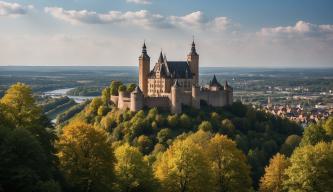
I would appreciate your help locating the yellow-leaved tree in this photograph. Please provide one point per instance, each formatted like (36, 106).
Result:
(86, 157)
(311, 168)
(228, 165)
(183, 168)
(21, 105)
(133, 173)
(275, 175)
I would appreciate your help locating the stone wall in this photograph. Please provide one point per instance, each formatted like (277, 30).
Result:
(160, 102)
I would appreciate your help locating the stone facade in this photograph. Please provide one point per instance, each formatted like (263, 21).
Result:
(172, 84)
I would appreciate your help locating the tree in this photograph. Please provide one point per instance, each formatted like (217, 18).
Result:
(275, 175)
(172, 121)
(21, 104)
(24, 165)
(311, 168)
(86, 157)
(132, 172)
(328, 126)
(92, 108)
(106, 96)
(144, 144)
(122, 88)
(164, 135)
(185, 122)
(183, 168)
(227, 127)
(131, 87)
(205, 126)
(313, 134)
(228, 164)
(290, 144)
(114, 87)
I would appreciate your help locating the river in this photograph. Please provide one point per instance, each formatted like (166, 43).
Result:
(63, 92)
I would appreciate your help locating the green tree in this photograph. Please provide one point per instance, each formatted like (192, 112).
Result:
(311, 168)
(86, 157)
(131, 87)
(183, 168)
(106, 96)
(145, 144)
(275, 175)
(313, 134)
(23, 165)
(185, 122)
(122, 88)
(290, 144)
(114, 87)
(173, 121)
(228, 164)
(328, 126)
(133, 173)
(164, 135)
(205, 126)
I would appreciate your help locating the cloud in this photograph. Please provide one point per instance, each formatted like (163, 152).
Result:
(301, 29)
(13, 9)
(142, 18)
(139, 1)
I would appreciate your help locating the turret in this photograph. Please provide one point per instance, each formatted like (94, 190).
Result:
(193, 60)
(136, 100)
(229, 93)
(176, 106)
(144, 68)
(121, 99)
(195, 96)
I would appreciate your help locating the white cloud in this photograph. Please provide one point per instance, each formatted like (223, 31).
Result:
(139, 1)
(13, 9)
(301, 28)
(142, 18)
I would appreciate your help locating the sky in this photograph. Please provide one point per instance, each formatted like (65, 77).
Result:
(228, 33)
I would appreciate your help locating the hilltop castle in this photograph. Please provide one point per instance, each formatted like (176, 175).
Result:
(172, 84)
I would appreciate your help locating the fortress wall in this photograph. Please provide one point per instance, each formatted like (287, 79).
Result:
(213, 98)
(186, 98)
(126, 104)
(161, 102)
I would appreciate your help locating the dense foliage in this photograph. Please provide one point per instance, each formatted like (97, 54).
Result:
(235, 148)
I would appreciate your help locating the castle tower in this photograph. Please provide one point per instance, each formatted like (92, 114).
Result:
(229, 93)
(144, 67)
(195, 96)
(136, 100)
(176, 106)
(193, 59)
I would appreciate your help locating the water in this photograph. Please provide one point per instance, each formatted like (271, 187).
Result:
(63, 92)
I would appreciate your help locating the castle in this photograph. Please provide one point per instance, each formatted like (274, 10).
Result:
(172, 84)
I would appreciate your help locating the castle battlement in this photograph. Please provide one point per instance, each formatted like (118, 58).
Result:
(171, 84)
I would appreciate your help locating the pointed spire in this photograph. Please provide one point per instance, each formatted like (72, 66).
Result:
(214, 80)
(193, 49)
(161, 60)
(144, 48)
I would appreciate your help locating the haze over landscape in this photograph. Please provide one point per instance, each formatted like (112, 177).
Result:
(255, 33)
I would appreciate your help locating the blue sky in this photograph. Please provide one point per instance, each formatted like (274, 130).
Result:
(229, 33)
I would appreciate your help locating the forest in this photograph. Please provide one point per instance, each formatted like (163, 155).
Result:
(97, 147)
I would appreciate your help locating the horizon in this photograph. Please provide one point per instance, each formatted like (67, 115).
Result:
(227, 33)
